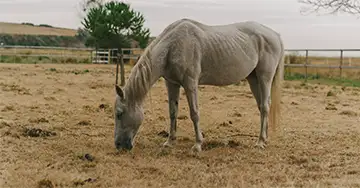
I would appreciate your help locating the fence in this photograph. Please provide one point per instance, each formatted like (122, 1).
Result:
(44, 54)
(333, 64)
(329, 65)
(104, 56)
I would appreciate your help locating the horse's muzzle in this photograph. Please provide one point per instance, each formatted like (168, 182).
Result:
(124, 144)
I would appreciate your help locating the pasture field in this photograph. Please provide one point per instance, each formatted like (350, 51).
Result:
(56, 127)
(21, 29)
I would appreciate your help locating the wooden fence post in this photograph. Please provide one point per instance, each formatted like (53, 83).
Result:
(117, 68)
(122, 69)
(306, 65)
(341, 62)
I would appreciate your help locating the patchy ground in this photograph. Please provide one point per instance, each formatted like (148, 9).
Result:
(56, 130)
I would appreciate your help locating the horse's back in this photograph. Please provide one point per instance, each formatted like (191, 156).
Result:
(268, 35)
(228, 53)
(232, 51)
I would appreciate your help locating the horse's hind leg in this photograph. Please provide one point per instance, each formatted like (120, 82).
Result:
(173, 98)
(265, 73)
(254, 86)
(191, 91)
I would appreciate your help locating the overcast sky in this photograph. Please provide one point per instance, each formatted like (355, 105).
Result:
(297, 30)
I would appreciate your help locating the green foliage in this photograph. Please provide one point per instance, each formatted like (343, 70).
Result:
(40, 25)
(82, 34)
(298, 76)
(45, 25)
(114, 24)
(26, 23)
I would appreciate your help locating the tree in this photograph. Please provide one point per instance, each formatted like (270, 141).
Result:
(82, 34)
(332, 6)
(114, 24)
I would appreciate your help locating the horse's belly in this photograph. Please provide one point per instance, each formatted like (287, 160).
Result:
(225, 73)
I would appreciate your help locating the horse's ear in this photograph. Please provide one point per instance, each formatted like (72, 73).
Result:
(119, 92)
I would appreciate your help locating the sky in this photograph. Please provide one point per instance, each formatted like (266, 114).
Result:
(297, 30)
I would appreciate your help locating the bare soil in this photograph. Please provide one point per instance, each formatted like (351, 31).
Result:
(56, 130)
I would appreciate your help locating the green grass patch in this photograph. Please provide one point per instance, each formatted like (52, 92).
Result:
(317, 79)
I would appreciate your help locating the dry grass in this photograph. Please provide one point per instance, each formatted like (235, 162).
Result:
(14, 28)
(44, 52)
(72, 114)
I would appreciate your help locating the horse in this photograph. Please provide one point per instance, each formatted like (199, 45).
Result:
(189, 53)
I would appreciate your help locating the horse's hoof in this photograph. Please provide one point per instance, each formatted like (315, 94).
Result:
(260, 145)
(196, 148)
(168, 144)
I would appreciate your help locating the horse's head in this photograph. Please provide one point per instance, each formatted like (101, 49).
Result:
(128, 118)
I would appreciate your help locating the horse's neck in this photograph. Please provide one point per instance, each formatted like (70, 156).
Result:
(141, 79)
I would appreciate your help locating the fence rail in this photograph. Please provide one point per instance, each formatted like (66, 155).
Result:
(306, 61)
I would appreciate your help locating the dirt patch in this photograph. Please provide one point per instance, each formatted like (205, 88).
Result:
(38, 120)
(330, 106)
(294, 103)
(99, 85)
(50, 98)
(163, 134)
(83, 182)
(104, 106)
(225, 124)
(237, 114)
(8, 108)
(84, 123)
(4, 124)
(15, 88)
(311, 147)
(45, 184)
(182, 117)
(233, 144)
(349, 113)
(36, 132)
(87, 157)
(212, 144)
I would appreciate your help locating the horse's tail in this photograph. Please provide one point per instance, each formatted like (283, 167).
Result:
(274, 113)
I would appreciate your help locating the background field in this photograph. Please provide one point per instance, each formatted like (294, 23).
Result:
(317, 143)
(21, 29)
(28, 34)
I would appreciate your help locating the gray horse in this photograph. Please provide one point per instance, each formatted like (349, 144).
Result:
(188, 54)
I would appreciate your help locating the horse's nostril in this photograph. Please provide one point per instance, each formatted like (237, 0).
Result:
(126, 144)
(118, 145)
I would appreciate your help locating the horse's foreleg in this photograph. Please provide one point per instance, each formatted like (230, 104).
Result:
(192, 98)
(173, 98)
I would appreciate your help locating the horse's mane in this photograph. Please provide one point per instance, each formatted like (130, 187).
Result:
(139, 81)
